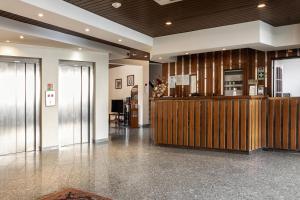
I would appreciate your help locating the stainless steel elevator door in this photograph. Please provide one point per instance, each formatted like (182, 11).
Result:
(74, 102)
(19, 107)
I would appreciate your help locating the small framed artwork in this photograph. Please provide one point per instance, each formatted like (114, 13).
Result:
(118, 84)
(130, 80)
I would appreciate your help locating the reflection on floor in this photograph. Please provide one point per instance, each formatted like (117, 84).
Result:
(129, 167)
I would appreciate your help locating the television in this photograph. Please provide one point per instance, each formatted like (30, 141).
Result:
(117, 106)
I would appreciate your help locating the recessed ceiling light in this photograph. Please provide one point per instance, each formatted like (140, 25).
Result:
(21, 37)
(116, 4)
(261, 5)
(224, 49)
(120, 40)
(7, 41)
(41, 15)
(160, 58)
(146, 56)
(169, 23)
(79, 49)
(87, 30)
(186, 53)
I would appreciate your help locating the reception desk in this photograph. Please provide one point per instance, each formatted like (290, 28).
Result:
(226, 123)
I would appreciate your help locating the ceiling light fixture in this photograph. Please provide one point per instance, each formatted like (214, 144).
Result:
(79, 49)
(7, 41)
(261, 5)
(87, 30)
(224, 49)
(21, 37)
(120, 40)
(41, 15)
(160, 58)
(168, 23)
(186, 53)
(146, 56)
(116, 4)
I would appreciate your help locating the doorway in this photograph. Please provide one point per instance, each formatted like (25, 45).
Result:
(75, 102)
(19, 105)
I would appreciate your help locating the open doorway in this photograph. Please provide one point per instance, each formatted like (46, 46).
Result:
(286, 82)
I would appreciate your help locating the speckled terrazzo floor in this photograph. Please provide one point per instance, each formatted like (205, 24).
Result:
(129, 167)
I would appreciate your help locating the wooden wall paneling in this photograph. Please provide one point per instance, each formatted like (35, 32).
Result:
(229, 121)
(264, 123)
(282, 54)
(165, 122)
(235, 56)
(153, 120)
(197, 123)
(226, 59)
(180, 123)
(186, 123)
(165, 75)
(223, 124)
(201, 79)
(292, 52)
(159, 122)
(194, 60)
(203, 133)
(261, 63)
(175, 122)
(218, 73)
(216, 124)
(192, 123)
(294, 120)
(170, 121)
(298, 124)
(245, 67)
(236, 121)
(278, 123)
(179, 91)
(271, 123)
(285, 123)
(209, 73)
(243, 123)
(209, 124)
(270, 57)
(186, 71)
(172, 73)
(251, 66)
(258, 124)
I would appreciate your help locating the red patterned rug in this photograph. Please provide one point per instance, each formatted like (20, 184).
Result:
(73, 194)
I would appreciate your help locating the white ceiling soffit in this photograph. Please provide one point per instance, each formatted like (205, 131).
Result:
(256, 34)
(166, 2)
(35, 35)
(68, 16)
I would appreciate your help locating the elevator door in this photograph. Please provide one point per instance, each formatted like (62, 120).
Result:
(19, 106)
(75, 103)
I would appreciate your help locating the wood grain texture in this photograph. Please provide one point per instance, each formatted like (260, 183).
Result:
(170, 121)
(236, 124)
(197, 123)
(210, 124)
(175, 122)
(223, 124)
(216, 124)
(229, 118)
(285, 123)
(293, 128)
(191, 124)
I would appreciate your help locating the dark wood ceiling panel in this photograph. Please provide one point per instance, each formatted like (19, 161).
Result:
(148, 17)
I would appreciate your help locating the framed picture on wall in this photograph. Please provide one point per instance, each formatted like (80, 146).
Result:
(118, 84)
(130, 80)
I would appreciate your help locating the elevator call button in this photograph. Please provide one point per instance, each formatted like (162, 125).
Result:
(50, 98)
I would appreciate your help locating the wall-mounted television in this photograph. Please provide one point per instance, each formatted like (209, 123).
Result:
(117, 105)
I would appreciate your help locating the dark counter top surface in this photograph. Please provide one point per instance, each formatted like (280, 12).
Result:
(208, 97)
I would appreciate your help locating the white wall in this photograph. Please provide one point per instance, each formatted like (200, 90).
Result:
(49, 74)
(290, 76)
(121, 73)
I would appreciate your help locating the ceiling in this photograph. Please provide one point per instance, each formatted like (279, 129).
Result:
(148, 17)
(133, 53)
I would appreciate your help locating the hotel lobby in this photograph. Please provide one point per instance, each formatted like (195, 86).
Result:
(149, 99)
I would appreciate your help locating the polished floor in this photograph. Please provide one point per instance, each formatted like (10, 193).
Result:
(129, 167)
